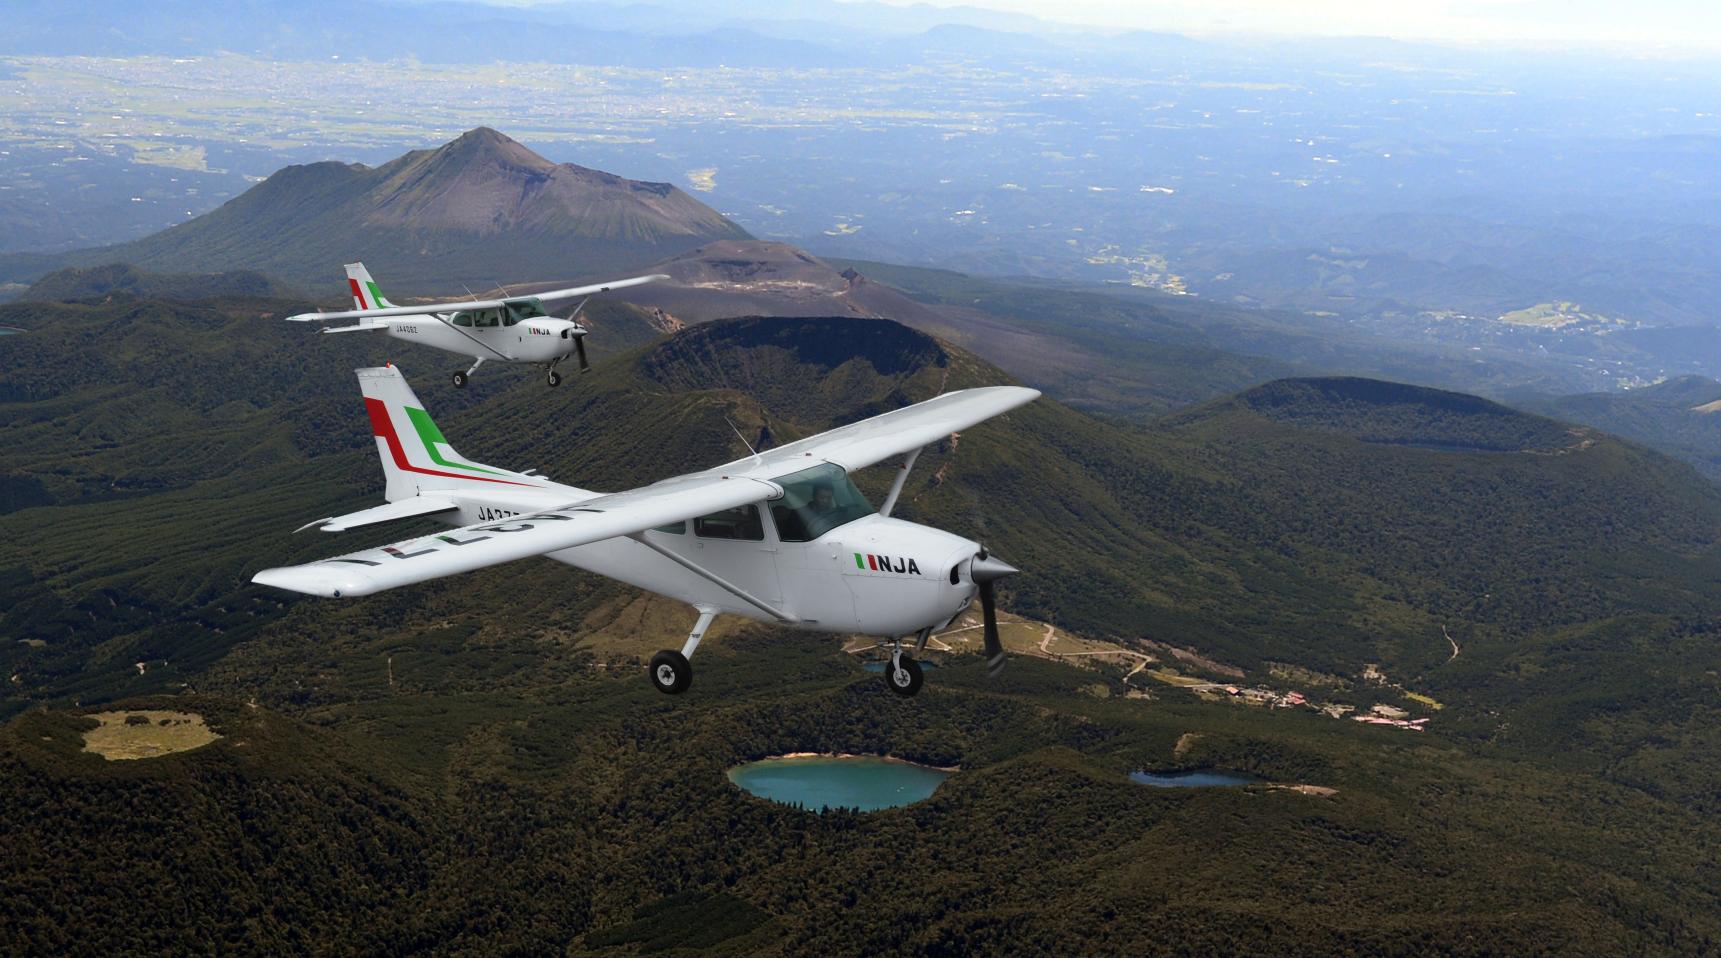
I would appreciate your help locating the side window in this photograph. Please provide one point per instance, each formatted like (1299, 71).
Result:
(743, 523)
(463, 319)
(486, 318)
(674, 528)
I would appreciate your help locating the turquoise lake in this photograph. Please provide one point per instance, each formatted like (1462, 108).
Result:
(1200, 778)
(864, 783)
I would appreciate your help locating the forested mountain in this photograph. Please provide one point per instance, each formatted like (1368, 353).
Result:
(1681, 417)
(495, 772)
(122, 279)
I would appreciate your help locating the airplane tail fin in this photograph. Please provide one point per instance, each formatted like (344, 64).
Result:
(365, 292)
(415, 456)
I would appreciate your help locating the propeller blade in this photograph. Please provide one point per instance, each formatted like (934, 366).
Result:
(994, 647)
(985, 570)
(580, 351)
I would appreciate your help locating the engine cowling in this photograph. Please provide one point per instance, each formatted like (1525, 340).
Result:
(905, 577)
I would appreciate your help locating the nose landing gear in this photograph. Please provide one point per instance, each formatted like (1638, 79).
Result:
(903, 674)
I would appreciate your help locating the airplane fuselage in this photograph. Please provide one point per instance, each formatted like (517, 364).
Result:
(875, 575)
(542, 341)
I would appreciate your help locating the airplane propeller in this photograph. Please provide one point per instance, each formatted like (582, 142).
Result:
(985, 570)
(580, 337)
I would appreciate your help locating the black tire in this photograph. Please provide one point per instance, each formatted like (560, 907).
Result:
(459, 380)
(554, 379)
(671, 672)
(906, 678)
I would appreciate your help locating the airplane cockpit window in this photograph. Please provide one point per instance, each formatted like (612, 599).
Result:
(519, 309)
(486, 317)
(742, 523)
(463, 319)
(815, 501)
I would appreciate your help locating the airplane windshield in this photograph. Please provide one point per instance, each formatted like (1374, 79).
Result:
(519, 309)
(815, 501)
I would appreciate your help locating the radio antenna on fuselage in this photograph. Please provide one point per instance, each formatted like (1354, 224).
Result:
(744, 442)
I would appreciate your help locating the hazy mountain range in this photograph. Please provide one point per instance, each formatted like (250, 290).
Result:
(484, 209)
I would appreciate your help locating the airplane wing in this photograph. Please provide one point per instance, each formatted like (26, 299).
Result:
(686, 497)
(431, 309)
(572, 291)
(874, 440)
(489, 543)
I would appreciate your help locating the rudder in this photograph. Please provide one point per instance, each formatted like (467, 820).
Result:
(366, 295)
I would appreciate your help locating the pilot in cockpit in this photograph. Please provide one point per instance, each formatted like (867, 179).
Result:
(824, 500)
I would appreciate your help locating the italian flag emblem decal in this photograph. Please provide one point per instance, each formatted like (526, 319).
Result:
(875, 563)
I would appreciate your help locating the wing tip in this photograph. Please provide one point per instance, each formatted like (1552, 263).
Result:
(316, 579)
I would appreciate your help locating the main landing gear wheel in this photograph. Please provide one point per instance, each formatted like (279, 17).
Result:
(672, 673)
(904, 675)
(459, 380)
(554, 379)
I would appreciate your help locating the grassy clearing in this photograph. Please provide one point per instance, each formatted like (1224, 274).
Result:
(146, 734)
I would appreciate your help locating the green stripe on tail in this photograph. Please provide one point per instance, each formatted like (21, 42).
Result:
(431, 436)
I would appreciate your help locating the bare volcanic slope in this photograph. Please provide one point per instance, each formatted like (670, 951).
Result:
(1145, 362)
(748, 277)
(478, 209)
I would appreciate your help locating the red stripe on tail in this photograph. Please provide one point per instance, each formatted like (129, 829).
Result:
(358, 293)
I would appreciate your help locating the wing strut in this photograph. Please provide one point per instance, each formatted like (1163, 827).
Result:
(716, 580)
(896, 484)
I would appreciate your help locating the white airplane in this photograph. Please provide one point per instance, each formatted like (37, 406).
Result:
(512, 330)
(780, 536)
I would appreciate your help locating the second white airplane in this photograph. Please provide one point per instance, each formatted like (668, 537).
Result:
(515, 329)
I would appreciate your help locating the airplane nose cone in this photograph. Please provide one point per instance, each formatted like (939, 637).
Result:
(988, 569)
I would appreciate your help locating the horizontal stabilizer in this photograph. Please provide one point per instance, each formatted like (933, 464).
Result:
(388, 512)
